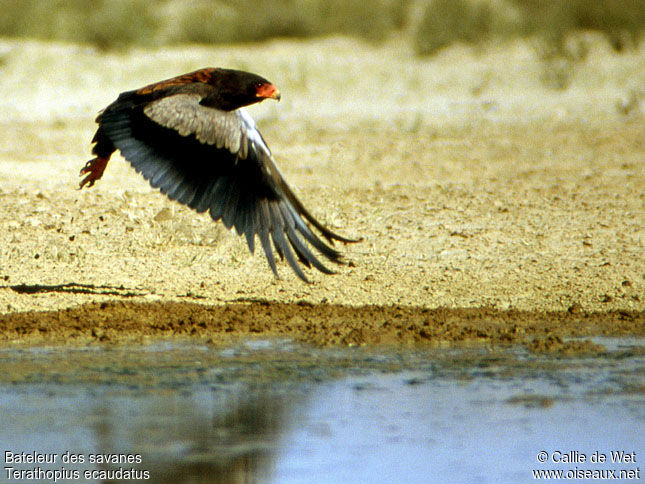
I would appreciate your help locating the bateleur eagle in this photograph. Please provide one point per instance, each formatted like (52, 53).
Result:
(191, 137)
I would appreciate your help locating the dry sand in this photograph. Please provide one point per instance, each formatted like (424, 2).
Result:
(492, 208)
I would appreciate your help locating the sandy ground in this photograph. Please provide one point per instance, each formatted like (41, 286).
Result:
(492, 208)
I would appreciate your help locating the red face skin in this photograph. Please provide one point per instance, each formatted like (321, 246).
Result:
(267, 91)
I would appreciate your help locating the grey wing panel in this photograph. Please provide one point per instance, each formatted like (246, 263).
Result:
(184, 114)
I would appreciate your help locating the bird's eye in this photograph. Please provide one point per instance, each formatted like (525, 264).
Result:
(259, 84)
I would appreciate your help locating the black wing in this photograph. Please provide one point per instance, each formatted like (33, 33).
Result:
(217, 160)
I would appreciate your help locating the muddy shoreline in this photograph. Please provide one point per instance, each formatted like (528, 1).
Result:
(122, 322)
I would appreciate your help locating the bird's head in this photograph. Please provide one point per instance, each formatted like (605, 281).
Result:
(239, 88)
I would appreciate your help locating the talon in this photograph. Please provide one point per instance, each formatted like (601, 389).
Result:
(94, 168)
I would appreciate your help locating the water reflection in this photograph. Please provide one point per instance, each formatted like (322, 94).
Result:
(327, 416)
(210, 437)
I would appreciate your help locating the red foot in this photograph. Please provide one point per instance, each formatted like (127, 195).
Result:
(95, 169)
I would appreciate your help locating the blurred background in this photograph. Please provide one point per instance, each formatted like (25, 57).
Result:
(428, 24)
(61, 50)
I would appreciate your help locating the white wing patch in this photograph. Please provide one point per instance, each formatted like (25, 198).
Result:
(252, 132)
(224, 129)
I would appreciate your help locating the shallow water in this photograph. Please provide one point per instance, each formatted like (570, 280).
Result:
(273, 411)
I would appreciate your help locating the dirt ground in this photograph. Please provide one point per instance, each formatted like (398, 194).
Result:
(493, 209)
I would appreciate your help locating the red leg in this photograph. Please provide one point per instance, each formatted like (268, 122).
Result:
(94, 168)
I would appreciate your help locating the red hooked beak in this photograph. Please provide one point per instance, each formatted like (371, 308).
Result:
(268, 91)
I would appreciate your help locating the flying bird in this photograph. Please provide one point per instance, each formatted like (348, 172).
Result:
(191, 137)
